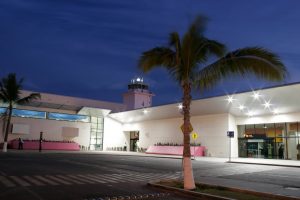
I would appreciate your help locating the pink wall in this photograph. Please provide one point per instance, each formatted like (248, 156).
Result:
(175, 150)
(137, 99)
(34, 145)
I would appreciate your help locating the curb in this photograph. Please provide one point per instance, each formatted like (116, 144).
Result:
(267, 164)
(189, 193)
(216, 197)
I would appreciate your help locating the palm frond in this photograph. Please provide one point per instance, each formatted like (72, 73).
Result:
(251, 60)
(29, 98)
(174, 41)
(198, 26)
(11, 87)
(157, 57)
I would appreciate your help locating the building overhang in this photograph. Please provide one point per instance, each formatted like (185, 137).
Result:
(95, 112)
(270, 101)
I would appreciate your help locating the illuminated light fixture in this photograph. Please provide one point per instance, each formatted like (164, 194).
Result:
(230, 99)
(256, 95)
(180, 106)
(145, 111)
(267, 104)
(275, 111)
(241, 107)
(250, 113)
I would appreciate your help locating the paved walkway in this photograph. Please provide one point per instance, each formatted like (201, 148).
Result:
(285, 163)
(276, 162)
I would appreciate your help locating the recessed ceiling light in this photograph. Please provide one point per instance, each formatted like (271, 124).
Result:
(180, 106)
(145, 111)
(230, 99)
(241, 107)
(267, 104)
(275, 111)
(256, 95)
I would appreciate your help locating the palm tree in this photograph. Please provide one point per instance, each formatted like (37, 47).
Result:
(187, 61)
(10, 90)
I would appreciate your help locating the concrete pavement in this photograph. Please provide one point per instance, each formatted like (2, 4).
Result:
(280, 177)
(276, 162)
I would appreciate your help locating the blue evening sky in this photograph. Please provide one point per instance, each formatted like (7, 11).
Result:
(90, 48)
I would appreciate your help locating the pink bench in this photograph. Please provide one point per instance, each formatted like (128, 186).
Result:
(175, 150)
(46, 145)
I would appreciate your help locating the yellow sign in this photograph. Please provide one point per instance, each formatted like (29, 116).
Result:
(194, 136)
(190, 128)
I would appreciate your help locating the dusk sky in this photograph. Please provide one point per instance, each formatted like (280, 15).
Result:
(90, 48)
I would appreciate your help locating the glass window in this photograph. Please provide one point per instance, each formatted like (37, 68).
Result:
(94, 120)
(100, 126)
(249, 131)
(270, 130)
(280, 129)
(69, 117)
(2, 110)
(260, 131)
(28, 113)
(292, 129)
(241, 131)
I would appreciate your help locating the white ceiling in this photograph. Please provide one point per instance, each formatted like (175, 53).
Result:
(284, 99)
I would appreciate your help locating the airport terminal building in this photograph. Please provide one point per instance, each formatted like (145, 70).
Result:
(266, 122)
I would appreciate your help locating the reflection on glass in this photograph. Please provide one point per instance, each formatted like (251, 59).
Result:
(2, 110)
(274, 140)
(68, 117)
(28, 113)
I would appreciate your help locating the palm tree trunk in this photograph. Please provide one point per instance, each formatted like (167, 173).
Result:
(188, 177)
(7, 128)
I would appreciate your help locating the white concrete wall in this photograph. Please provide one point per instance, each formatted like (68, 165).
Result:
(211, 129)
(234, 141)
(52, 130)
(290, 117)
(152, 132)
(113, 134)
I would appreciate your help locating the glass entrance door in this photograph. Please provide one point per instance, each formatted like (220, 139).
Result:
(134, 140)
(96, 137)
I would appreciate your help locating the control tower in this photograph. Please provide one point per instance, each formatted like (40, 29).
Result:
(138, 95)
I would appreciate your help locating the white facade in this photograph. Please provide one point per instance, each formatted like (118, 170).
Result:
(211, 119)
(211, 130)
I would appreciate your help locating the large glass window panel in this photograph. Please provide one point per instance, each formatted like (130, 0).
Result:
(28, 113)
(249, 131)
(242, 147)
(270, 130)
(100, 126)
(292, 150)
(241, 131)
(280, 129)
(94, 126)
(93, 141)
(292, 129)
(260, 131)
(96, 139)
(68, 117)
(292, 140)
(2, 110)
(94, 120)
